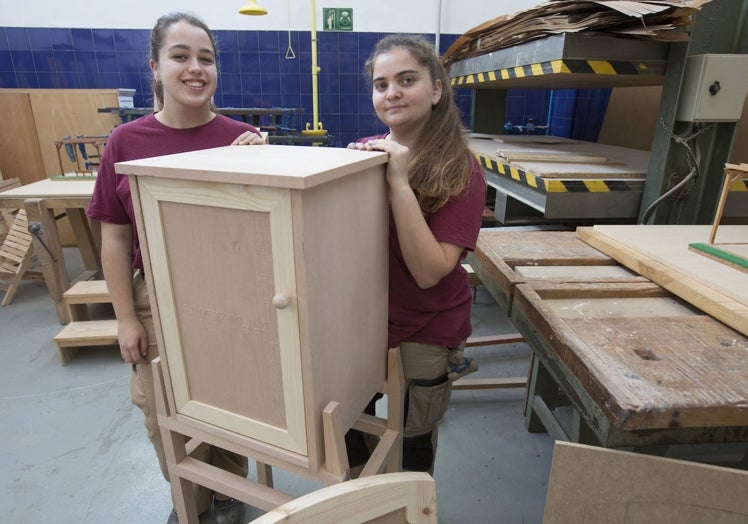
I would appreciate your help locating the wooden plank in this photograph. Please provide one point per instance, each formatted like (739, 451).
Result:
(504, 258)
(553, 158)
(647, 359)
(88, 333)
(88, 292)
(489, 383)
(661, 254)
(592, 484)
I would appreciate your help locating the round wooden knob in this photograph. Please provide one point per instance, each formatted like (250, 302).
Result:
(281, 300)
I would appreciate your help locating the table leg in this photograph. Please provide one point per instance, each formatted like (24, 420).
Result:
(85, 237)
(48, 250)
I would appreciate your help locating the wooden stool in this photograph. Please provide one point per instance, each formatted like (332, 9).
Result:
(81, 331)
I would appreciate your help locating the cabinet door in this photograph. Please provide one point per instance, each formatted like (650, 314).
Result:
(221, 256)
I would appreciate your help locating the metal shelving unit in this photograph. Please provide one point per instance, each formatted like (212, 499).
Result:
(569, 60)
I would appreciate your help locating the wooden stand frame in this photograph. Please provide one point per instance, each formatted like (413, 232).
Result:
(182, 436)
(267, 276)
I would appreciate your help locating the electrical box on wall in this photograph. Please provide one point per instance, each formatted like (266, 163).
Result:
(714, 88)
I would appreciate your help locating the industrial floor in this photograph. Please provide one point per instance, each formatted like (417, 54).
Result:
(74, 449)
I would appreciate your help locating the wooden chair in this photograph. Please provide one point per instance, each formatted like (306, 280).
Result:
(388, 498)
(6, 215)
(16, 256)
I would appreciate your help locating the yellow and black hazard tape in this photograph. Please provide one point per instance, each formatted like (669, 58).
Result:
(563, 66)
(739, 185)
(546, 185)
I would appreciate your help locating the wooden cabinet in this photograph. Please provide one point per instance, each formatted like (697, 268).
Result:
(268, 270)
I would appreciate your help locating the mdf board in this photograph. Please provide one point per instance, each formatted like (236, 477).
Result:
(631, 117)
(20, 151)
(589, 485)
(268, 266)
(40, 117)
(661, 253)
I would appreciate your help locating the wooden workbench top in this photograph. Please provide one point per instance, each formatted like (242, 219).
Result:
(648, 359)
(504, 258)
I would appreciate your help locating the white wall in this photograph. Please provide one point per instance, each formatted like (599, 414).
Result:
(405, 16)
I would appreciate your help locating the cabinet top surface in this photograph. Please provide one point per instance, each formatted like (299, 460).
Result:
(292, 167)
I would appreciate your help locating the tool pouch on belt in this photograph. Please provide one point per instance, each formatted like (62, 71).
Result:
(426, 406)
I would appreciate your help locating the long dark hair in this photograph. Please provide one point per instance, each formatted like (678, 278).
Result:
(158, 33)
(439, 166)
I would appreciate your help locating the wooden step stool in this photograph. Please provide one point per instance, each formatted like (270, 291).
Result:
(81, 331)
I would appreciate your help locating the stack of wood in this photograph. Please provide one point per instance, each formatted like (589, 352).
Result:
(652, 19)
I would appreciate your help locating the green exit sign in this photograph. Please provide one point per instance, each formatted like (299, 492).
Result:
(337, 19)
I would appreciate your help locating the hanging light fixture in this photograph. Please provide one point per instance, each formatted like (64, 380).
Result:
(253, 9)
(317, 129)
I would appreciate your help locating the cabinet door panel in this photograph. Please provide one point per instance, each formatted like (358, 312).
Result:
(220, 254)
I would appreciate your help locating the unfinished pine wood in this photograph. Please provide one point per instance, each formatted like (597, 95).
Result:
(661, 254)
(733, 174)
(278, 265)
(647, 359)
(16, 252)
(504, 258)
(592, 484)
(83, 293)
(406, 497)
(83, 334)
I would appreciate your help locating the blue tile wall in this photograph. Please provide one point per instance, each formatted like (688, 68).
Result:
(256, 73)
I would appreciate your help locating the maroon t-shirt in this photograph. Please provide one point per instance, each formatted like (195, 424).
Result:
(440, 314)
(144, 138)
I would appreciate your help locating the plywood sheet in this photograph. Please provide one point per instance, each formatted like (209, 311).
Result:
(660, 253)
(20, 154)
(561, 158)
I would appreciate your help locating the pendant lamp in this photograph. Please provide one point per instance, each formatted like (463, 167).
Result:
(253, 9)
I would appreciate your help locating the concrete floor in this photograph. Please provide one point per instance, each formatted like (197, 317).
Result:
(75, 449)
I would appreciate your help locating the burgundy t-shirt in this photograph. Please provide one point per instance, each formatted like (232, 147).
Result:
(143, 138)
(441, 314)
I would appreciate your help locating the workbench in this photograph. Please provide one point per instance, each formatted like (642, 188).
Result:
(618, 361)
(41, 199)
(248, 114)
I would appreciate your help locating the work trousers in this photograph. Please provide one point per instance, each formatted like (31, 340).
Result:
(428, 390)
(142, 394)
(427, 395)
